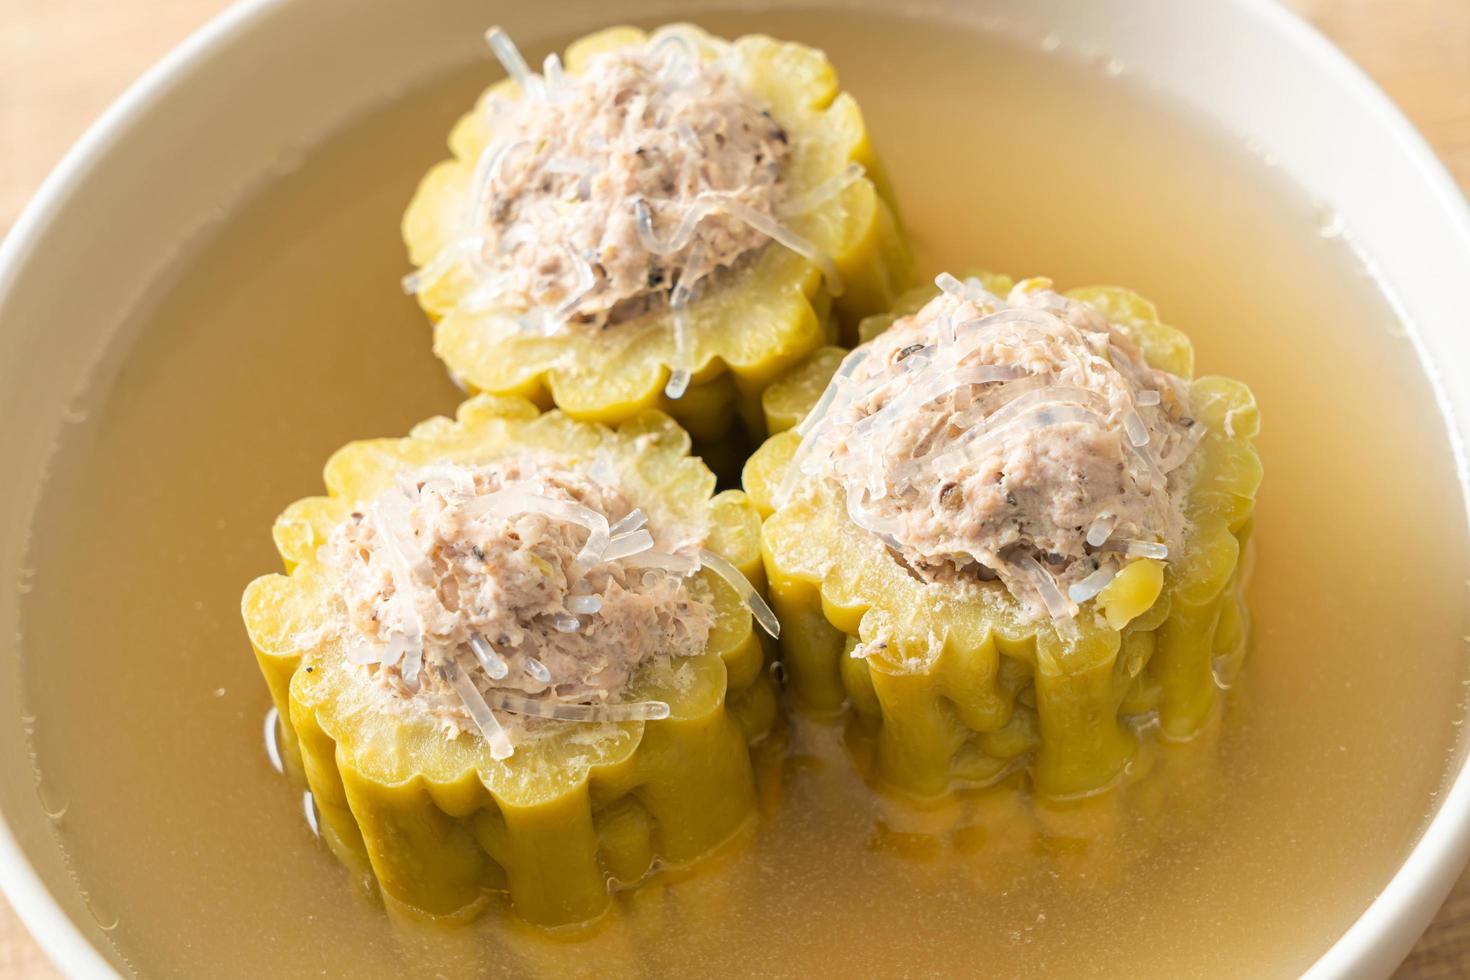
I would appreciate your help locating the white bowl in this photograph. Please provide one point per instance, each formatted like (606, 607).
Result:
(77, 256)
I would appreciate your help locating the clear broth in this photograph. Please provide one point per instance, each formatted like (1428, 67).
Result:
(286, 335)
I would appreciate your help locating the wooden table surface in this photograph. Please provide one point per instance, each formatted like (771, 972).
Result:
(63, 61)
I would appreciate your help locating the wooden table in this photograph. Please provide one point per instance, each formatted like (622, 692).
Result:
(62, 61)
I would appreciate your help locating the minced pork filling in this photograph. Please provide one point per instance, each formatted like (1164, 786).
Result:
(605, 191)
(1024, 439)
(489, 596)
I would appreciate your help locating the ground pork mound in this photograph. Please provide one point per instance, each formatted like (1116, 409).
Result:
(539, 585)
(1024, 439)
(602, 192)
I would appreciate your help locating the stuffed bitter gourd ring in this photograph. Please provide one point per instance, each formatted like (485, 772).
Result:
(403, 767)
(964, 679)
(714, 248)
